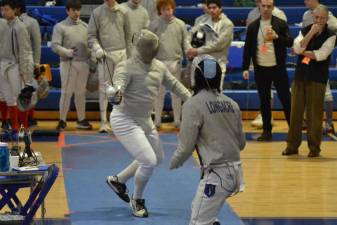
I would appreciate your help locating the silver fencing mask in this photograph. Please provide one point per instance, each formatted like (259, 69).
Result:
(147, 45)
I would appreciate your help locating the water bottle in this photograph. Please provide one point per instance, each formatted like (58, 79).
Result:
(4, 157)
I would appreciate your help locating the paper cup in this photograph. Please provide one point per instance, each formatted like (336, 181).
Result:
(13, 162)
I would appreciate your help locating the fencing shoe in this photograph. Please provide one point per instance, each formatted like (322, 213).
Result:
(84, 125)
(61, 125)
(104, 128)
(138, 208)
(258, 123)
(119, 188)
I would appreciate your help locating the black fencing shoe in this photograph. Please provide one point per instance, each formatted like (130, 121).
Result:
(216, 223)
(61, 125)
(119, 188)
(138, 208)
(84, 125)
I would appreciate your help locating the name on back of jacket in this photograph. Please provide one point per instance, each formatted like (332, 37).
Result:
(219, 107)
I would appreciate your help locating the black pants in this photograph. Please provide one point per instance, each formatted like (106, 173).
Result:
(264, 77)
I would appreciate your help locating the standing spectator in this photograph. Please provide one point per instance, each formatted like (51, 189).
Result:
(109, 38)
(266, 45)
(218, 30)
(314, 46)
(69, 41)
(173, 42)
(16, 63)
(255, 14)
(33, 29)
(211, 124)
(308, 19)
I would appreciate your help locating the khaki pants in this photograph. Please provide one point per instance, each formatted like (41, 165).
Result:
(310, 96)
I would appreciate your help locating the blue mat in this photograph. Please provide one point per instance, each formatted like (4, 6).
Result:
(91, 202)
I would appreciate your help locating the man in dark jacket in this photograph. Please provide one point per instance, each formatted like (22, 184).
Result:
(266, 45)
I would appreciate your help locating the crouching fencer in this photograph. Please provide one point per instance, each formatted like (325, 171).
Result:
(137, 82)
(212, 125)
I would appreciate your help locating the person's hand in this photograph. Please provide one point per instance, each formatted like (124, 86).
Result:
(99, 54)
(174, 164)
(69, 53)
(118, 98)
(192, 52)
(270, 34)
(245, 74)
(316, 29)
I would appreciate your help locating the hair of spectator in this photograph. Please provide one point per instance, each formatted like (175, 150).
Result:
(164, 3)
(217, 2)
(73, 4)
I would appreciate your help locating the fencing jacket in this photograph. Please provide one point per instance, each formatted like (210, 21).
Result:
(33, 29)
(70, 34)
(213, 123)
(173, 38)
(16, 47)
(109, 29)
(140, 85)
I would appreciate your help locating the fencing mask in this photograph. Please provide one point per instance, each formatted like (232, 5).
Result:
(147, 45)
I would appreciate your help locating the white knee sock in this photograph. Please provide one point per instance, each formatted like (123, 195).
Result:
(142, 176)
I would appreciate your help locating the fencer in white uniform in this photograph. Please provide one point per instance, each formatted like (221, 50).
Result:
(138, 80)
(109, 38)
(69, 41)
(212, 125)
(174, 42)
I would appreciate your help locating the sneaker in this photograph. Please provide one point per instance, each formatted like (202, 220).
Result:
(258, 123)
(265, 136)
(119, 188)
(104, 128)
(6, 125)
(329, 129)
(216, 223)
(138, 208)
(32, 122)
(84, 124)
(61, 125)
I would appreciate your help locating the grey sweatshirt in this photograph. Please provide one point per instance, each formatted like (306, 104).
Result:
(109, 29)
(173, 38)
(33, 29)
(201, 19)
(70, 34)
(140, 85)
(213, 123)
(138, 16)
(218, 39)
(308, 19)
(16, 47)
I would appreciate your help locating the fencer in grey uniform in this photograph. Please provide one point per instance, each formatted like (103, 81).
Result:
(308, 19)
(16, 61)
(254, 14)
(174, 42)
(204, 17)
(138, 80)
(212, 125)
(137, 14)
(218, 31)
(109, 38)
(33, 29)
(69, 41)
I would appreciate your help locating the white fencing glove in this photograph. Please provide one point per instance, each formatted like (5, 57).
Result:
(99, 53)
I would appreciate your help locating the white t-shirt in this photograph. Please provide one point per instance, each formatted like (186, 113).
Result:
(265, 50)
